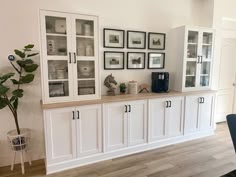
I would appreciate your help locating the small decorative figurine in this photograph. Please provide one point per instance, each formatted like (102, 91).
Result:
(144, 88)
(123, 88)
(110, 83)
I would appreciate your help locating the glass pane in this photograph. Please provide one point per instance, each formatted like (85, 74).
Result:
(192, 51)
(84, 27)
(55, 25)
(191, 68)
(207, 38)
(57, 69)
(205, 68)
(86, 87)
(85, 46)
(58, 89)
(56, 45)
(85, 69)
(207, 45)
(193, 37)
(190, 81)
(205, 74)
(204, 81)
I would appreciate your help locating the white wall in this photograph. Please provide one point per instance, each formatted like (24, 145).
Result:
(19, 26)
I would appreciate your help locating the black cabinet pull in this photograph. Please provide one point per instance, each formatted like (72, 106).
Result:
(201, 59)
(74, 57)
(73, 115)
(78, 114)
(167, 104)
(170, 104)
(198, 58)
(69, 57)
(129, 108)
(203, 100)
(125, 108)
(200, 99)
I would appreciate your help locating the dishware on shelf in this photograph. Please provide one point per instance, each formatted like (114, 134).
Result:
(60, 73)
(87, 29)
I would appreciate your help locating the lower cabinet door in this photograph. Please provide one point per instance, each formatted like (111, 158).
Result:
(157, 119)
(174, 116)
(205, 112)
(115, 126)
(137, 122)
(60, 134)
(192, 106)
(89, 130)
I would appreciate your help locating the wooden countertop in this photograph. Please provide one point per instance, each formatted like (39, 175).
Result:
(125, 97)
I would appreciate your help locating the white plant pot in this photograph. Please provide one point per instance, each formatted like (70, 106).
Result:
(19, 142)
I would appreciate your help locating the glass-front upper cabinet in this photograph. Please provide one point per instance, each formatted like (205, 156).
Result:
(69, 56)
(198, 58)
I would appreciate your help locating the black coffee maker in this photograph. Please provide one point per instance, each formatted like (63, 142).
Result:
(160, 82)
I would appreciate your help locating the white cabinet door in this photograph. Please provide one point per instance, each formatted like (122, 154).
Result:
(89, 130)
(60, 134)
(115, 126)
(157, 111)
(137, 122)
(205, 112)
(174, 117)
(192, 107)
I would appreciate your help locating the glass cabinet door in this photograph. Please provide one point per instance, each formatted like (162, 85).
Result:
(57, 56)
(207, 46)
(85, 45)
(205, 74)
(190, 75)
(192, 44)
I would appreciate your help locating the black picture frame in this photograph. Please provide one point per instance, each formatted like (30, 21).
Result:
(106, 39)
(115, 62)
(152, 65)
(136, 46)
(160, 41)
(136, 60)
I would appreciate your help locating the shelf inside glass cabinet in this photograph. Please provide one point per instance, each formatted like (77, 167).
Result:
(86, 87)
(57, 69)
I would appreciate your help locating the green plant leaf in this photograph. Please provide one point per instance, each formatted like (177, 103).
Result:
(21, 63)
(3, 103)
(29, 46)
(15, 103)
(15, 82)
(33, 54)
(3, 89)
(13, 98)
(18, 93)
(28, 61)
(30, 68)
(27, 78)
(5, 77)
(19, 53)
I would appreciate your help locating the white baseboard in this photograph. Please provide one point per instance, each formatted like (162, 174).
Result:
(53, 168)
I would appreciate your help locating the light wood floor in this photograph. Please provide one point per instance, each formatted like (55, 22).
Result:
(207, 157)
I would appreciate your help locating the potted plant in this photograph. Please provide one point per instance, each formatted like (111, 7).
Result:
(122, 88)
(11, 91)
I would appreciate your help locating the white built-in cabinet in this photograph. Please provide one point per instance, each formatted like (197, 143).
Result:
(69, 56)
(191, 58)
(125, 124)
(165, 118)
(198, 113)
(72, 132)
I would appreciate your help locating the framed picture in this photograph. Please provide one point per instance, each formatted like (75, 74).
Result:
(113, 60)
(113, 38)
(135, 60)
(136, 40)
(156, 60)
(156, 41)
